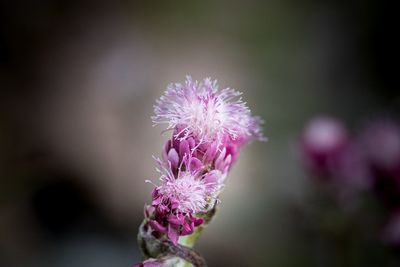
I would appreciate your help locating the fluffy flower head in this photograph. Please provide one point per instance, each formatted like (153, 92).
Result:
(200, 110)
(209, 127)
(188, 192)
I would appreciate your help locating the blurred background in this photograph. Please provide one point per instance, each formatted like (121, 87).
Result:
(78, 80)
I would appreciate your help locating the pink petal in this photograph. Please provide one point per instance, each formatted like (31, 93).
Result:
(173, 157)
(186, 229)
(198, 221)
(162, 208)
(157, 226)
(233, 150)
(195, 164)
(173, 233)
(219, 160)
(174, 203)
(167, 147)
(156, 201)
(148, 210)
(211, 179)
(188, 226)
(227, 162)
(191, 142)
(184, 149)
(176, 219)
(211, 152)
(154, 193)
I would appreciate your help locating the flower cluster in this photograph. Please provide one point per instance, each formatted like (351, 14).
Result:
(368, 159)
(208, 126)
(368, 162)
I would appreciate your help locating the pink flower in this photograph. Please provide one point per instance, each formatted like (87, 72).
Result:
(220, 156)
(201, 111)
(322, 143)
(188, 191)
(209, 127)
(183, 192)
(381, 143)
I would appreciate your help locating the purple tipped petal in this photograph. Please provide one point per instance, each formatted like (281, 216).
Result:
(166, 149)
(211, 152)
(156, 201)
(191, 142)
(195, 164)
(198, 221)
(154, 193)
(148, 210)
(233, 150)
(211, 179)
(184, 149)
(191, 225)
(174, 203)
(219, 160)
(161, 208)
(187, 229)
(227, 162)
(173, 157)
(176, 219)
(173, 233)
(157, 226)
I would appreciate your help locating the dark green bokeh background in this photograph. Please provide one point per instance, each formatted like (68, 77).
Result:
(77, 83)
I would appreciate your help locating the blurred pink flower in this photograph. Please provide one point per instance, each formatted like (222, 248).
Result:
(381, 143)
(322, 141)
